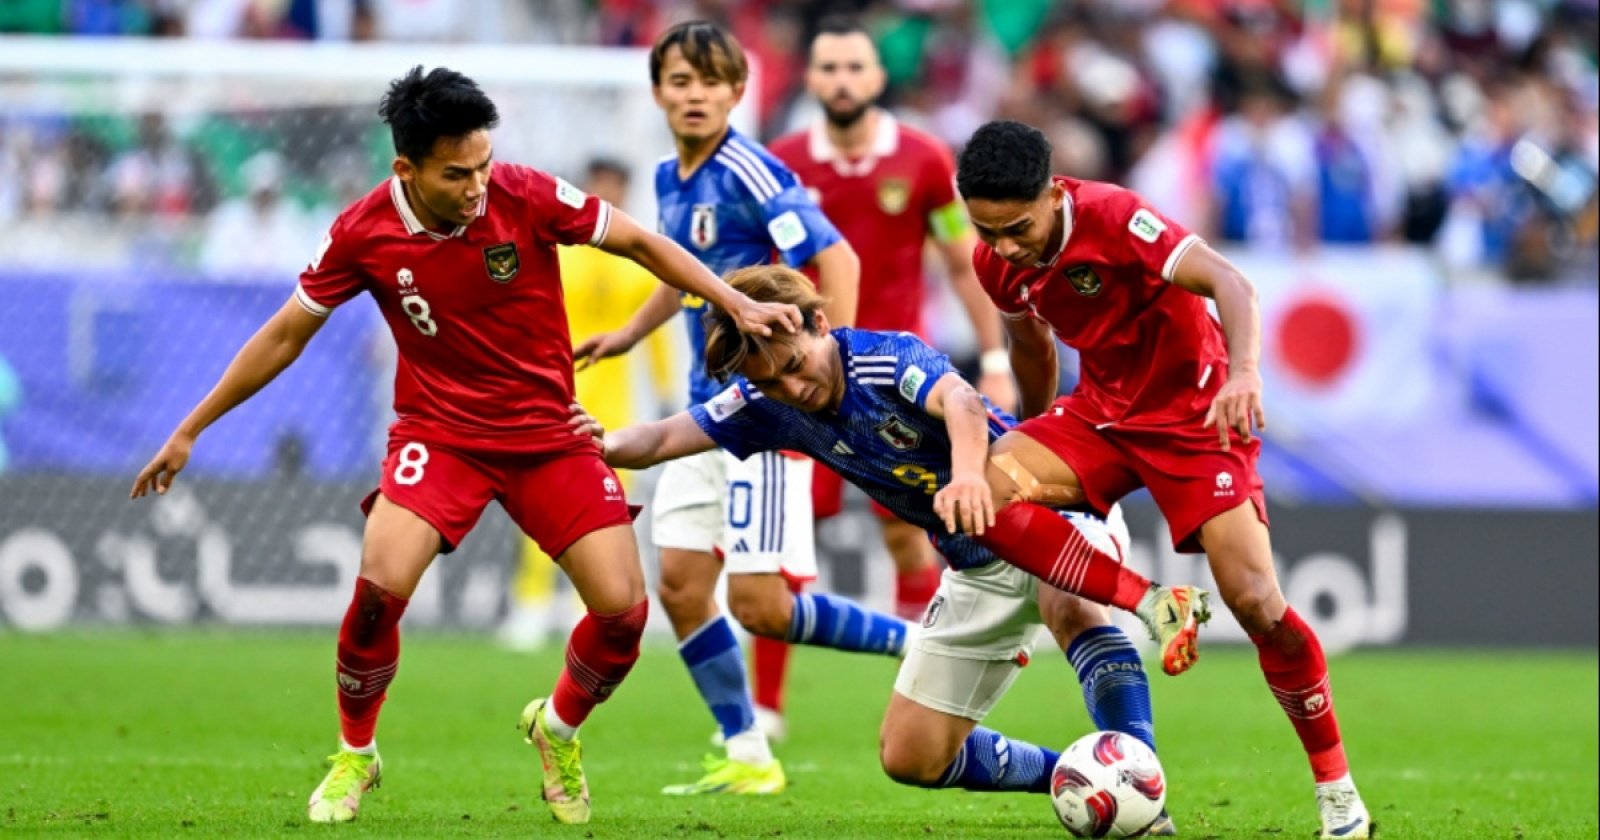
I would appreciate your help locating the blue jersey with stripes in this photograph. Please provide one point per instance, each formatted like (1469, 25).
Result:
(742, 207)
(881, 439)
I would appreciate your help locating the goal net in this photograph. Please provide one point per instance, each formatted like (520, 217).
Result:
(157, 200)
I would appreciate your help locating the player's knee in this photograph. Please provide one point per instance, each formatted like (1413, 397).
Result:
(907, 762)
(622, 630)
(762, 616)
(1254, 602)
(679, 596)
(1068, 616)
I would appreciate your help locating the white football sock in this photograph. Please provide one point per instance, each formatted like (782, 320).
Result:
(750, 747)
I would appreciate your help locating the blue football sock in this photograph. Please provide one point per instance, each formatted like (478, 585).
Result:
(1114, 684)
(989, 761)
(842, 624)
(712, 654)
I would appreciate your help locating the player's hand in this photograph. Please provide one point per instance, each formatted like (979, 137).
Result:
(965, 505)
(584, 425)
(1001, 390)
(162, 469)
(1236, 406)
(756, 318)
(601, 346)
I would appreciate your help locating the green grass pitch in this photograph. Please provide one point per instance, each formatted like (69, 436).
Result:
(223, 734)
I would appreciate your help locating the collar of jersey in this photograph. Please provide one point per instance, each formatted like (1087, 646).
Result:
(727, 137)
(885, 139)
(1066, 230)
(414, 226)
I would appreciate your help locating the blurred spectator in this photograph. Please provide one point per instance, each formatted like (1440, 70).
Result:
(260, 232)
(1264, 171)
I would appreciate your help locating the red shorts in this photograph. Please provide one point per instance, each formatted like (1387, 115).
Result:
(827, 495)
(1190, 477)
(555, 498)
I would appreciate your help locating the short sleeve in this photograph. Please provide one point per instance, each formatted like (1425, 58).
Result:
(917, 367)
(946, 214)
(564, 214)
(1147, 237)
(332, 276)
(795, 223)
(730, 419)
(991, 276)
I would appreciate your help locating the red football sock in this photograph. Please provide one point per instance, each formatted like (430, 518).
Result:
(769, 664)
(1291, 658)
(913, 590)
(1040, 542)
(368, 654)
(600, 654)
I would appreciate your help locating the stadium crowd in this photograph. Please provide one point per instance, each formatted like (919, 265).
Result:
(1469, 125)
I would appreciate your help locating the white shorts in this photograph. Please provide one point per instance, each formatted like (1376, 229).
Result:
(757, 512)
(979, 630)
(976, 635)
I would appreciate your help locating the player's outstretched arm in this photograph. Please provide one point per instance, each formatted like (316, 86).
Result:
(1033, 362)
(965, 504)
(277, 344)
(839, 277)
(646, 444)
(1238, 403)
(679, 269)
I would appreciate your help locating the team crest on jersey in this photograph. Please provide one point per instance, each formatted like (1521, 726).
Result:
(703, 226)
(893, 195)
(1084, 280)
(501, 261)
(897, 434)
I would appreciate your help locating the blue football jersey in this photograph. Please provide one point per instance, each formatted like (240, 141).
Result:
(881, 439)
(742, 207)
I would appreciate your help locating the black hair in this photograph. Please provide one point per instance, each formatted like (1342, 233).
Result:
(711, 50)
(421, 108)
(841, 24)
(1004, 161)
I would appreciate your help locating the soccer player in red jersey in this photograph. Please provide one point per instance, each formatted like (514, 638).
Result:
(1168, 399)
(463, 267)
(889, 189)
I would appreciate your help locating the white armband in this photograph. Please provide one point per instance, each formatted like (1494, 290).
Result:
(994, 361)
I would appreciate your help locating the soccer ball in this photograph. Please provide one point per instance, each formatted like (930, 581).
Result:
(1108, 784)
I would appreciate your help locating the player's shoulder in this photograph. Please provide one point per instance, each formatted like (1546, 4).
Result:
(738, 396)
(752, 166)
(915, 141)
(881, 343)
(369, 214)
(794, 148)
(1101, 201)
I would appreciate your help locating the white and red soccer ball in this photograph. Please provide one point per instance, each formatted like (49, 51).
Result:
(1108, 784)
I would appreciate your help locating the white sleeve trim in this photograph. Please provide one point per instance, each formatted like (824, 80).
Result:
(1178, 251)
(310, 305)
(1015, 316)
(602, 223)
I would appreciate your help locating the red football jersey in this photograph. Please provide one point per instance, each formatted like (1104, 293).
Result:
(886, 205)
(1149, 353)
(477, 314)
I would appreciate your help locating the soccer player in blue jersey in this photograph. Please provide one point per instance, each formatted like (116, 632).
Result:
(893, 417)
(732, 204)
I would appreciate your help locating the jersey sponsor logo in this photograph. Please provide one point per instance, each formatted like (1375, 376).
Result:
(726, 404)
(911, 382)
(1146, 226)
(1224, 485)
(1084, 280)
(787, 230)
(569, 195)
(502, 262)
(893, 195)
(703, 226)
(897, 434)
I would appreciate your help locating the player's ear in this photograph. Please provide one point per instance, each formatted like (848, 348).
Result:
(403, 168)
(819, 323)
(738, 93)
